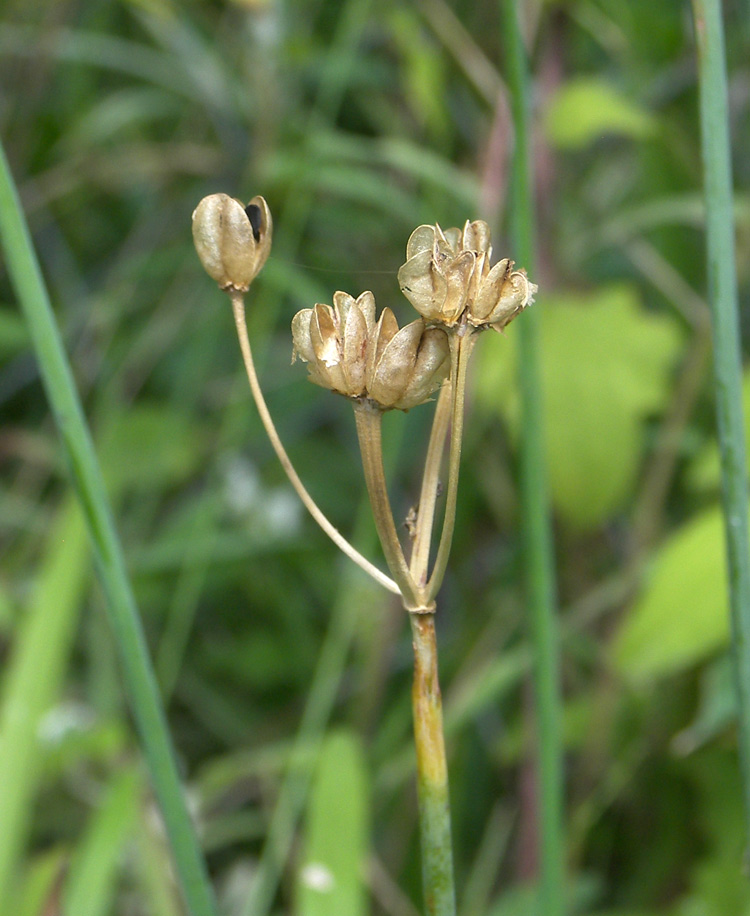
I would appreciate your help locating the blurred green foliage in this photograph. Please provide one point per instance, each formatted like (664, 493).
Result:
(358, 121)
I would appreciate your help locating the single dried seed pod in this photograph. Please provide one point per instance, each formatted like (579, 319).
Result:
(232, 241)
(393, 368)
(425, 364)
(490, 292)
(431, 368)
(502, 297)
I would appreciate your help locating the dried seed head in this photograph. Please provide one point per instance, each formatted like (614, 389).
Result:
(447, 275)
(349, 353)
(232, 241)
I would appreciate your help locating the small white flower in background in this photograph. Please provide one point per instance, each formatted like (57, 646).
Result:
(318, 877)
(65, 719)
(283, 512)
(241, 485)
(273, 511)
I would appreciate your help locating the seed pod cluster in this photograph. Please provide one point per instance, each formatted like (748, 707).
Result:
(351, 353)
(447, 277)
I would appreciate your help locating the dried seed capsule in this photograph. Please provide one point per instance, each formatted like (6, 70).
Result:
(447, 277)
(413, 364)
(436, 277)
(232, 241)
(501, 296)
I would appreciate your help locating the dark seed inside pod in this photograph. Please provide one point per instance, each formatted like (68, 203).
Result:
(253, 214)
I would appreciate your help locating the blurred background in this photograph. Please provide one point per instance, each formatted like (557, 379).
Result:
(280, 663)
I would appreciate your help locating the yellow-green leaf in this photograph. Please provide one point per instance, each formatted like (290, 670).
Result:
(605, 366)
(91, 882)
(682, 614)
(585, 109)
(148, 447)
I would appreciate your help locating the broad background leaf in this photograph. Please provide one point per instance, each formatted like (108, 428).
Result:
(585, 109)
(606, 366)
(682, 616)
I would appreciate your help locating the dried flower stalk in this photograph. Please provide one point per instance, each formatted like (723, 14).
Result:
(448, 277)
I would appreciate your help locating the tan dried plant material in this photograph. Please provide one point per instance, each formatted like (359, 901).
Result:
(232, 240)
(349, 352)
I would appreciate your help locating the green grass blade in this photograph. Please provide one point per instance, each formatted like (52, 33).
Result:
(722, 286)
(540, 577)
(138, 674)
(91, 881)
(331, 879)
(152, 870)
(39, 884)
(32, 682)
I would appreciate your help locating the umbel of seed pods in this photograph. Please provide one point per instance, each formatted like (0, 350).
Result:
(449, 279)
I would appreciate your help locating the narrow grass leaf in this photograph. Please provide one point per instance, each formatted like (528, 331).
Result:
(39, 888)
(722, 285)
(32, 683)
(91, 882)
(331, 877)
(140, 682)
(539, 570)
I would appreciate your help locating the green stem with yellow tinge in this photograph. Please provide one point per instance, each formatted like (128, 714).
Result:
(727, 349)
(538, 548)
(432, 772)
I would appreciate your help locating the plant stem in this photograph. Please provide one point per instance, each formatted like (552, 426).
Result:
(432, 772)
(238, 307)
(722, 286)
(461, 344)
(538, 552)
(369, 420)
(139, 679)
(420, 555)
